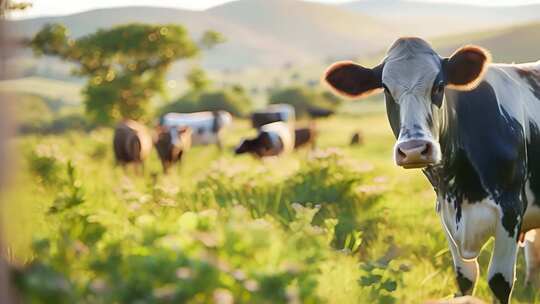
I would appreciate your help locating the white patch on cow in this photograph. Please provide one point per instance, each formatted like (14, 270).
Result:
(514, 93)
(467, 268)
(477, 223)
(202, 124)
(144, 137)
(282, 131)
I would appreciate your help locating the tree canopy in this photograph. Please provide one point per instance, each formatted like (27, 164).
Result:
(126, 65)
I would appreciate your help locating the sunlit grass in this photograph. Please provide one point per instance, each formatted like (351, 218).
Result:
(403, 227)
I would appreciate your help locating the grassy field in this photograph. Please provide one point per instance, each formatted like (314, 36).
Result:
(339, 225)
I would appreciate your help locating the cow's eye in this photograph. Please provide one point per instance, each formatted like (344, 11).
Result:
(439, 88)
(437, 93)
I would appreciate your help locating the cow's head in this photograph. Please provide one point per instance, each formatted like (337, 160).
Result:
(413, 77)
(171, 143)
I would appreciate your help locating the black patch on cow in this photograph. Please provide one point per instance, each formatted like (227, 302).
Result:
(217, 122)
(533, 154)
(483, 152)
(126, 144)
(532, 78)
(492, 141)
(500, 288)
(392, 110)
(437, 90)
(465, 285)
(304, 136)
(261, 146)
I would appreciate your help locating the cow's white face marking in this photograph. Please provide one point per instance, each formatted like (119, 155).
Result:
(410, 73)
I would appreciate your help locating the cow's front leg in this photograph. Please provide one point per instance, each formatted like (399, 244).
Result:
(466, 270)
(502, 267)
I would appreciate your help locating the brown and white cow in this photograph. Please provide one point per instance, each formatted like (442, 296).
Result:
(206, 126)
(172, 144)
(132, 143)
(474, 129)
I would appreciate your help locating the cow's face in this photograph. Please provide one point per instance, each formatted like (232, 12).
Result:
(413, 77)
(170, 144)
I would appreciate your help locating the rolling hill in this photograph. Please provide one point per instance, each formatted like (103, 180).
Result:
(259, 32)
(434, 19)
(509, 44)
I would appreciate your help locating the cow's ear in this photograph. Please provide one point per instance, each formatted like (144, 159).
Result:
(352, 80)
(465, 69)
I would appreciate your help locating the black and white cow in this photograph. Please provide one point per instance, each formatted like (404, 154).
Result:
(474, 129)
(273, 139)
(206, 126)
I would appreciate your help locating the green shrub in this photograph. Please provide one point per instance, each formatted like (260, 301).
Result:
(303, 98)
(233, 100)
(46, 164)
(196, 258)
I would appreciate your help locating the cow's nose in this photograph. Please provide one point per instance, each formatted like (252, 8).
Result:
(414, 154)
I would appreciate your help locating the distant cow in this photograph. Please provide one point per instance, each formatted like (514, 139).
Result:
(206, 126)
(357, 139)
(272, 140)
(474, 129)
(305, 136)
(132, 143)
(315, 112)
(272, 113)
(171, 144)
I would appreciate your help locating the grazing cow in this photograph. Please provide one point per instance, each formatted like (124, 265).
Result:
(206, 126)
(357, 139)
(305, 136)
(171, 143)
(315, 112)
(272, 113)
(272, 140)
(474, 129)
(132, 143)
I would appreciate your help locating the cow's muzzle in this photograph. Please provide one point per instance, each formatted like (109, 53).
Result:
(416, 153)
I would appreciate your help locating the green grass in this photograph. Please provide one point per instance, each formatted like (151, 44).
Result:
(234, 218)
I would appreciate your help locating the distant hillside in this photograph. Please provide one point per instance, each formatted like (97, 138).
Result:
(433, 19)
(285, 33)
(510, 44)
(56, 90)
(258, 32)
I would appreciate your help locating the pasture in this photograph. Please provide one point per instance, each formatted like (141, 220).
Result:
(338, 225)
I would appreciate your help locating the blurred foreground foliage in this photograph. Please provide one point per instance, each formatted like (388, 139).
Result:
(238, 236)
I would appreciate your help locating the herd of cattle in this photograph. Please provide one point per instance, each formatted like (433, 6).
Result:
(177, 132)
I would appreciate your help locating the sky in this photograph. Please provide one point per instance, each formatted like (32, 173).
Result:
(64, 7)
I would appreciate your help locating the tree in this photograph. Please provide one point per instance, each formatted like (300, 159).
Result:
(197, 79)
(211, 39)
(125, 65)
